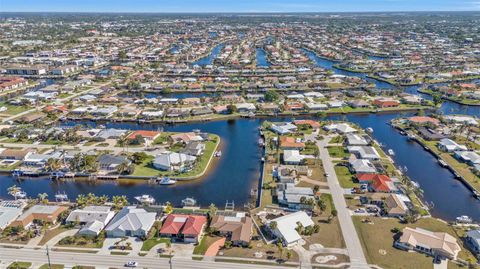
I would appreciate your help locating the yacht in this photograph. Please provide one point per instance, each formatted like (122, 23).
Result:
(218, 154)
(369, 130)
(189, 201)
(442, 163)
(20, 195)
(391, 152)
(464, 219)
(166, 181)
(61, 196)
(145, 199)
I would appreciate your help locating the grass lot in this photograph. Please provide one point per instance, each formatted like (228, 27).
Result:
(79, 241)
(146, 168)
(13, 109)
(345, 178)
(163, 137)
(119, 253)
(267, 180)
(258, 246)
(54, 266)
(338, 152)
(202, 247)
(150, 243)
(377, 236)
(49, 234)
(19, 265)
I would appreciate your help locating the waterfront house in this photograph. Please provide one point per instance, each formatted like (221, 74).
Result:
(427, 242)
(364, 152)
(311, 123)
(131, 221)
(291, 196)
(449, 145)
(288, 142)
(359, 104)
(10, 83)
(40, 159)
(316, 106)
(92, 219)
(245, 107)
(109, 162)
(472, 239)
(194, 148)
(9, 211)
(15, 154)
(44, 213)
(186, 228)
(342, 128)
(470, 157)
(220, 109)
(237, 229)
(283, 128)
(173, 161)
(383, 184)
(109, 133)
(148, 136)
(422, 120)
(292, 157)
(185, 138)
(286, 227)
(361, 166)
(385, 103)
(396, 205)
(356, 140)
(429, 133)
(290, 173)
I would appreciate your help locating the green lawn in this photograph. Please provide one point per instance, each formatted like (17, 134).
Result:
(345, 178)
(13, 109)
(201, 248)
(377, 240)
(150, 243)
(19, 265)
(338, 152)
(54, 266)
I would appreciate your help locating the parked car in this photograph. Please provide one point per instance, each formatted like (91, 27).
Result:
(131, 264)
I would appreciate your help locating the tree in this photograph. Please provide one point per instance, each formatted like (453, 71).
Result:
(168, 208)
(122, 168)
(122, 55)
(42, 197)
(437, 99)
(212, 211)
(271, 96)
(289, 255)
(273, 225)
(280, 249)
(321, 205)
(232, 109)
(81, 200)
(53, 164)
(119, 201)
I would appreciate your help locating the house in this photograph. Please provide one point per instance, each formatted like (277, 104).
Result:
(9, 211)
(429, 133)
(449, 145)
(173, 161)
(194, 148)
(364, 152)
(185, 137)
(360, 166)
(44, 213)
(472, 239)
(292, 156)
(313, 124)
(148, 136)
(289, 173)
(470, 157)
(342, 128)
(15, 154)
(356, 140)
(283, 128)
(110, 162)
(245, 107)
(92, 218)
(424, 120)
(131, 221)
(385, 103)
(237, 228)
(186, 228)
(288, 142)
(316, 106)
(383, 184)
(286, 226)
(396, 205)
(430, 243)
(359, 104)
(291, 196)
(39, 160)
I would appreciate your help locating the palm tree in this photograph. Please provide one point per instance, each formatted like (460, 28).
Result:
(168, 208)
(53, 164)
(273, 225)
(42, 197)
(212, 210)
(121, 168)
(13, 191)
(119, 201)
(81, 200)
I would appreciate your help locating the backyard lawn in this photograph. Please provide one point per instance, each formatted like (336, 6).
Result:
(338, 152)
(345, 178)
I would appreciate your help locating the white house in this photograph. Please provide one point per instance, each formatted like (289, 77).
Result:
(92, 218)
(131, 221)
(449, 145)
(170, 161)
(286, 225)
(9, 211)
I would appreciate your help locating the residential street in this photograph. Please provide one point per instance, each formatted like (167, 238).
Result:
(38, 256)
(354, 247)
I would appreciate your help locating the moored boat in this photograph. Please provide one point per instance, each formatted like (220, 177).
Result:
(189, 201)
(218, 154)
(145, 199)
(464, 219)
(166, 181)
(442, 163)
(391, 152)
(369, 130)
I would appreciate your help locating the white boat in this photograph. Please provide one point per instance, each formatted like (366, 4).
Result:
(20, 195)
(415, 184)
(61, 197)
(391, 152)
(145, 199)
(464, 219)
(218, 154)
(369, 129)
(189, 201)
(167, 181)
(442, 163)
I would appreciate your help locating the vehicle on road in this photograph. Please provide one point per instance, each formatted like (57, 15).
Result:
(131, 264)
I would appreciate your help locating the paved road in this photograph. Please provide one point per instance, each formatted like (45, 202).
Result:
(354, 247)
(8, 255)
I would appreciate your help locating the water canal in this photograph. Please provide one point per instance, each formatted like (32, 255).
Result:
(237, 172)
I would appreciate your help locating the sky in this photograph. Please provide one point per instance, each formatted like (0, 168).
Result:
(187, 6)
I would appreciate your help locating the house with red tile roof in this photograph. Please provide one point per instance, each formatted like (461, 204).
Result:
(423, 120)
(369, 178)
(311, 123)
(383, 103)
(147, 135)
(187, 228)
(383, 184)
(288, 142)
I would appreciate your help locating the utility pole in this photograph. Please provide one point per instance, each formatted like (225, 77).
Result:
(48, 257)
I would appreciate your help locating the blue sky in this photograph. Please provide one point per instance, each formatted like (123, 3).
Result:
(238, 5)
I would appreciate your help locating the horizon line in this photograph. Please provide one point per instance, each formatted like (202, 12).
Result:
(243, 12)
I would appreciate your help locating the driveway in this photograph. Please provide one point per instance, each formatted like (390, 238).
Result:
(54, 240)
(442, 265)
(182, 250)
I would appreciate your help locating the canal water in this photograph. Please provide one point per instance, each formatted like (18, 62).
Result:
(238, 170)
(262, 60)
(208, 60)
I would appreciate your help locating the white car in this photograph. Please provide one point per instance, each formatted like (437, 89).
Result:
(131, 264)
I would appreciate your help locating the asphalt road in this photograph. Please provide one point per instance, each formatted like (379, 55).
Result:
(38, 256)
(354, 247)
